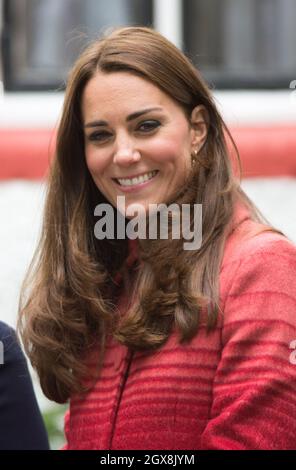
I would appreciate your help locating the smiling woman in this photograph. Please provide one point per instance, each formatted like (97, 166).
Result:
(157, 347)
(139, 131)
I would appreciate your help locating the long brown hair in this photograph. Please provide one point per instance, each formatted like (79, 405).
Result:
(68, 299)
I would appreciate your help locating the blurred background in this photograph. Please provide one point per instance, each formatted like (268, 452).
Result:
(244, 48)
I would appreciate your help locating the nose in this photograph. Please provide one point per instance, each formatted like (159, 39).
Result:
(125, 152)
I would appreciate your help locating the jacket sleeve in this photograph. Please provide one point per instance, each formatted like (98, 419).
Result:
(21, 425)
(254, 390)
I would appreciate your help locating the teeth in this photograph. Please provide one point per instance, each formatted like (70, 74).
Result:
(138, 180)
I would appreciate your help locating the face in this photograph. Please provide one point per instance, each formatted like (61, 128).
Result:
(138, 141)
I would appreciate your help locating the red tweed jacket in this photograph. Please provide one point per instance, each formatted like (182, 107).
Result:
(234, 388)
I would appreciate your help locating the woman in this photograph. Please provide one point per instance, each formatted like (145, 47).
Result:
(21, 425)
(157, 346)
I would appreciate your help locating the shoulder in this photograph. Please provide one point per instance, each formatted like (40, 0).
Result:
(254, 248)
(259, 267)
(259, 283)
(252, 238)
(6, 331)
(265, 252)
(7, 335)
(10, 346)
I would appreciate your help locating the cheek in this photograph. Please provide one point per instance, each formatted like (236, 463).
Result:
(95, 161)
(165, 150)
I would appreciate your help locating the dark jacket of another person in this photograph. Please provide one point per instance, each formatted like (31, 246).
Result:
(21, 424)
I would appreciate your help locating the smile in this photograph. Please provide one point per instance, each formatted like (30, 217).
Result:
(137, 183)
(138, 180)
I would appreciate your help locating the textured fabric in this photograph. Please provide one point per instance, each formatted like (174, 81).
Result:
(21, 425)
(234, 388)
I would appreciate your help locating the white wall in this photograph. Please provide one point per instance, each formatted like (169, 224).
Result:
(242, 107)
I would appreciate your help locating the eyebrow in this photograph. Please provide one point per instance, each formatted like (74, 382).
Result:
(131, 117)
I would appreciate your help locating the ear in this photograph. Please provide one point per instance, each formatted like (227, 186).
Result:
(199, 121)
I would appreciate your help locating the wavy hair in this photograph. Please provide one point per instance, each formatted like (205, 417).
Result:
(68, 298)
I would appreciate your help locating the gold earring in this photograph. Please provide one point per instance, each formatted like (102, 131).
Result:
(194, 156)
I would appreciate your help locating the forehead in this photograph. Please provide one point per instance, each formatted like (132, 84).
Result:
(117, 91)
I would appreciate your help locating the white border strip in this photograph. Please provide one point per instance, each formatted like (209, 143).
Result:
(42, 110)
(261, 107)
(30, 110)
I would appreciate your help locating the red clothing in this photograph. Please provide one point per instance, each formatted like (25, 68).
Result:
(234, 388)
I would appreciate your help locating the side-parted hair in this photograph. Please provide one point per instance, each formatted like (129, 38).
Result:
(68, 298)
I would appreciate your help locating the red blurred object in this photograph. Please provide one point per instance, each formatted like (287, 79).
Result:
(26, 153)
(268, 151)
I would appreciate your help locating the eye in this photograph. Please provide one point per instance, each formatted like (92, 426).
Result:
(148, 126)
(99, 136)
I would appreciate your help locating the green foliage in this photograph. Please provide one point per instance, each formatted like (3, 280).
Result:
(54, 423)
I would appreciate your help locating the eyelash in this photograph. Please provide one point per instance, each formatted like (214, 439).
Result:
(152, 126)
(155, 125)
